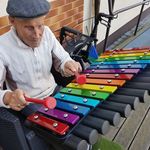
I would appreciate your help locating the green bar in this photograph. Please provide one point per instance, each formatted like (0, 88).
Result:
(87, 93)
(121, 58)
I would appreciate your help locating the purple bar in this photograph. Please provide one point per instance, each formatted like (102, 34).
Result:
(135, 71)
(62, 115)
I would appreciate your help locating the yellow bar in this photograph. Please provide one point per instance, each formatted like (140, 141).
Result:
(125, 55)
(102, 88)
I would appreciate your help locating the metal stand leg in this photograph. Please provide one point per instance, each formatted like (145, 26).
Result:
(139, 18)
(90, 147)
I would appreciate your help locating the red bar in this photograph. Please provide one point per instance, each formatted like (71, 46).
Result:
(127, 71)
(111, 76)
(53, 125)
(123, 51)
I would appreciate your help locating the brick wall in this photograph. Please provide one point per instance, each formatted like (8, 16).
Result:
(63, 13)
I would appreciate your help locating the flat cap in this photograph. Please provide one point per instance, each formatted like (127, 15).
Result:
(27, 8)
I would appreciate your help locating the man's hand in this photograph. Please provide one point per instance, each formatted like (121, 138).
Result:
(72, 67)
(15, 100)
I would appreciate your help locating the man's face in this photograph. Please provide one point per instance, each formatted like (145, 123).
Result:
(30, 31)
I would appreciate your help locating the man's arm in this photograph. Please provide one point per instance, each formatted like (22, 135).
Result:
(2, 79)
(62, 60)
(15, 99)
(71, 68)
(10, 99)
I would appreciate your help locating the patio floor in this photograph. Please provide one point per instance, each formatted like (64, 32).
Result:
(133, 133)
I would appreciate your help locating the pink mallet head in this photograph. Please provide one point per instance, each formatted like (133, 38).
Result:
(81, 79)
(49, 102)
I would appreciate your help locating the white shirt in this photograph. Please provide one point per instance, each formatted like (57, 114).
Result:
(29, 69)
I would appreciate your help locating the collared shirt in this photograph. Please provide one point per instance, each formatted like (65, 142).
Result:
(30, 69)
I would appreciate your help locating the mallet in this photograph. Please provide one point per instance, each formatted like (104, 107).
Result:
(49, 102)
(80, 78)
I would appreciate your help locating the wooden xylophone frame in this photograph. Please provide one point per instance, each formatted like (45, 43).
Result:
(119, 104)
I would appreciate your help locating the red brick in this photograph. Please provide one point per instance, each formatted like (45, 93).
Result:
(4, 21)
(57, 34)
(52, 12)
(66, 21)
(72, 24)
(80, 8)
(4, 29)
(55, 27)
(48, 22)
(69, 1)
(80, 20)
(57, 18)
(71, 12)
(57, 3)
(65, 8)
(77, 16)
(79, 28)
(78, 3)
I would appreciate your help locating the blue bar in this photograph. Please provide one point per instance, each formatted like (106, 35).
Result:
(123, 62)
(77, 109)
(77, 99)
(129, 66)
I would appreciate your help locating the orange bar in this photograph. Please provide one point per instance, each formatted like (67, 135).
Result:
(106, 82)
(111, 82)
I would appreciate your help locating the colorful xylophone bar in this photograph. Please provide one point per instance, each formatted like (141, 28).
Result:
(126, 51)
(116, 82)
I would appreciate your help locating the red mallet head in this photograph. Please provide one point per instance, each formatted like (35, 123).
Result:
(80, 78)
(49, 102)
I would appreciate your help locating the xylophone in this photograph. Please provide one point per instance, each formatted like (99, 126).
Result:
(115, 84)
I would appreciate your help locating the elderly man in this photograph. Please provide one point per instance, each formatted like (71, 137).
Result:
(27, 53)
